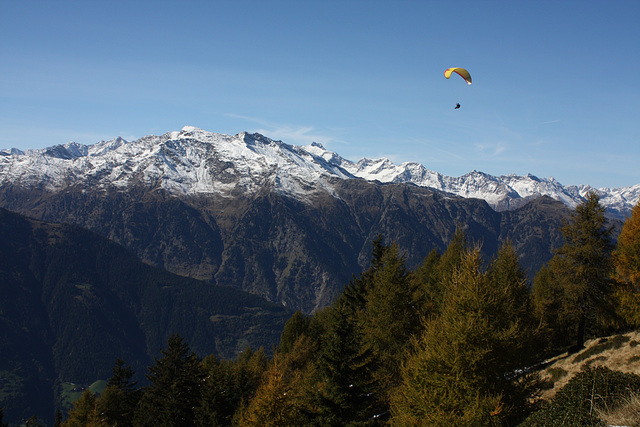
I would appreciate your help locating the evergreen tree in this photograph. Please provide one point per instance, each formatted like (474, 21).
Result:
(286, 395)
(354, 296)
(84, 412)
(390, 317)
(229, 385)
(429, 280)
(371, 322)
(345, 371)
(582, 268)
(293, 329)
(514, 301)
(220, 397)
(175, 389)
(248, 371)
(459, 369)
(378, 252)
(452, 258)
(121, 376)
(626, 259)
(548, 308)
(427, 286)
(119, 399)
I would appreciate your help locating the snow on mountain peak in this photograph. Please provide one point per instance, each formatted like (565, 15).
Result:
(195, 161)
(187, 129)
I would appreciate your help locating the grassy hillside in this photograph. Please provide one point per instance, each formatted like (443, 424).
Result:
(617, 352)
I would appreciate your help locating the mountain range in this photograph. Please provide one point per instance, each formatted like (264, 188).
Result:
(194, 161)
(291, 224)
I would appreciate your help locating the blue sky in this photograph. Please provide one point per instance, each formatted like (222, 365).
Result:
(555, 89)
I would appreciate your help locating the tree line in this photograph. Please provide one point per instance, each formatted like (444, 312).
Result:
(451, 342)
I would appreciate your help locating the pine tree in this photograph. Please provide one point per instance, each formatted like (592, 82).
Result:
(121, 376)
(513, 299)
(248, 371)
(452, 258)
(176, 387)
(354, 296)
(376, 314)
(626, 259)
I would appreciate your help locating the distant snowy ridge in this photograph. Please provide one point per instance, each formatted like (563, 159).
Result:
(188, 162)
(194, 161)
(500, 192)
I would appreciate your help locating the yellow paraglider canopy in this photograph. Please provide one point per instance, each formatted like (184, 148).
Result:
(460, 71)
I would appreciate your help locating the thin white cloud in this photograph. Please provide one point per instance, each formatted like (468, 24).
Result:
(491, 149)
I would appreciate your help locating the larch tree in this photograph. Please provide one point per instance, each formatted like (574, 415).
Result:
(548, 309)
(460, 370)
(626, 259)
(428, 280)
(295, 327)
(286, 394)
(84, 412)
(582, 268)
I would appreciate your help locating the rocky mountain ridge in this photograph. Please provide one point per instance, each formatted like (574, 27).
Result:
(290, 224)
(194, 161)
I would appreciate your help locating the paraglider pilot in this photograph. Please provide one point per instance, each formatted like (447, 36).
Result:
(457, 106)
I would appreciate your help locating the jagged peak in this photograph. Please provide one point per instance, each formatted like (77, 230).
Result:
(186, 160)
(69, 151)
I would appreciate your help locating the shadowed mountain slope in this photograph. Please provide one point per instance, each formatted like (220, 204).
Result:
(71, 302)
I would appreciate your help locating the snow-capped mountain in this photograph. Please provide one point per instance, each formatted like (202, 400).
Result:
(194, 161)
(290, 223)
(504, 192)
(188, 162)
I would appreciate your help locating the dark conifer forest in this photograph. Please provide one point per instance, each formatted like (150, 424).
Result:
(453, 342)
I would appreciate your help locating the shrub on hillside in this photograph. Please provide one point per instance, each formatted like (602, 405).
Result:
(578, 402)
